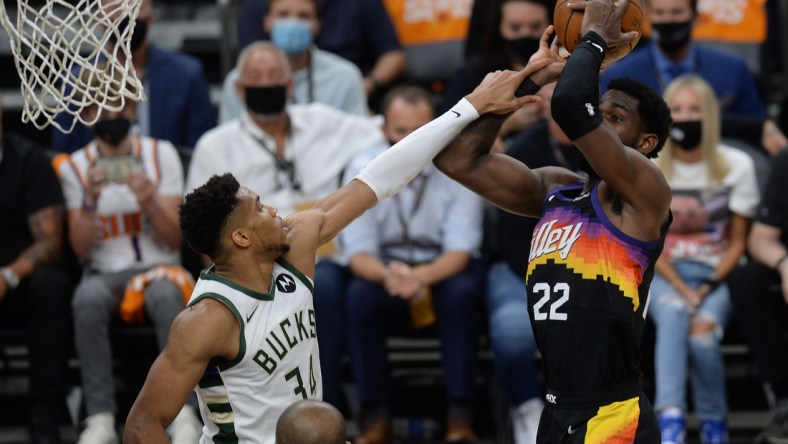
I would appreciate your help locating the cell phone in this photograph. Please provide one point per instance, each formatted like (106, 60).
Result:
(119, 167)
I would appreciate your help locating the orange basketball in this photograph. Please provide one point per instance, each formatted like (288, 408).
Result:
(568, 23)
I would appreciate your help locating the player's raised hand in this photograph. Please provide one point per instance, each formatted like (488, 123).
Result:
(496, 92)
(547, 51)
(604, 18)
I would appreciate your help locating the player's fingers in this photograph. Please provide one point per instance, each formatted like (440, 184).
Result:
(533, 67)
(544, 42)
(576, 6)
(524, 100)
(555, 51)
(621, 6)
(625, 38)
(629, 36)
(554, 45)
(486, 79)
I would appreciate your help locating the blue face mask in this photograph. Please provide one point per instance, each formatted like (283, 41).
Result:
(292, 36)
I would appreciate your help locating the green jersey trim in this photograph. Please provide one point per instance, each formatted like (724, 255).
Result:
(226, 434)
(208, 276)
(242, 339)
(301, 277)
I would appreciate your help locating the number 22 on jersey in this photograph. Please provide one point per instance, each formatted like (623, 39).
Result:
(561, 291)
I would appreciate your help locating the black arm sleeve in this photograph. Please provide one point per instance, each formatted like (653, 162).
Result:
(575, 104)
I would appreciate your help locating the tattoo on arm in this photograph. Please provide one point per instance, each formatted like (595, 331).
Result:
(46, 227)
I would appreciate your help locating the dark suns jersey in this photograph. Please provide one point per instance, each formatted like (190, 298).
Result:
(588, 286)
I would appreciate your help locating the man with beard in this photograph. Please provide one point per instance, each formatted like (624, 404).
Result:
(248, 341)
(178, 108)
(594, 248)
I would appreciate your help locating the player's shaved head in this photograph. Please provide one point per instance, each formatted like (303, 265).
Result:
(310, 422)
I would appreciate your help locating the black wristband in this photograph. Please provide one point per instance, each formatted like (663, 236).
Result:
(711, 283)
(527, 88)
(596, 42)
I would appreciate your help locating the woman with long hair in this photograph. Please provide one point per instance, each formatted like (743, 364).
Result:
(714, 197)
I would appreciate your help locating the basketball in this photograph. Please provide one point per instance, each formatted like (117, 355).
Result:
(568, 23)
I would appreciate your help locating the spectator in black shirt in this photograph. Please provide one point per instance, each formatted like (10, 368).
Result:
(35, 291)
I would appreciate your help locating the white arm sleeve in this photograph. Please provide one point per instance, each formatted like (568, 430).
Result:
(388, 173)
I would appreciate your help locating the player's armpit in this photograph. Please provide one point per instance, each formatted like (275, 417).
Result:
(200, 333)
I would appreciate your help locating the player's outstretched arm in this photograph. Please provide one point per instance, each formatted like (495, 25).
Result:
(200, 333)
(575, 108)
(501, 179)
(387, 174)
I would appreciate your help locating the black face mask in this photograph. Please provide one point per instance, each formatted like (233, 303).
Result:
(523, 48)
(687, 135)
(112, 131)
(137, 38)
(673, 36)
(266, 100)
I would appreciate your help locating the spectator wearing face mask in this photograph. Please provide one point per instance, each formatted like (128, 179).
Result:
(318, 76)
(357, 30)
(123, 192)
(178, 108)
(290, 155)
(715, 196)
(672, 53)
(510, 38)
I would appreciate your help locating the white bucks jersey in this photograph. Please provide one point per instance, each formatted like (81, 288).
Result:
(277, 362)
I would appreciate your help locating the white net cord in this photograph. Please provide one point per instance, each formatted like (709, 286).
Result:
(66, 46)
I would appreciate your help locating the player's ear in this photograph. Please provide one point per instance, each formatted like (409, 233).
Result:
(647, 142)
(241, 238)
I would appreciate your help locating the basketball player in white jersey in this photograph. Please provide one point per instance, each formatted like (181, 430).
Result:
(246, 343)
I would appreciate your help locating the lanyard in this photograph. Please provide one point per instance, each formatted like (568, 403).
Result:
(406, 220)
(311, 80)
(283, 166)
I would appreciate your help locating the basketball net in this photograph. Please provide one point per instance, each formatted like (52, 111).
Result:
(71, 56)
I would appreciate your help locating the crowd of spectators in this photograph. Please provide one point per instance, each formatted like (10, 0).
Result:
(90, 239)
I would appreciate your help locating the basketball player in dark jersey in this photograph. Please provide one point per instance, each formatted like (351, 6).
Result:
(593, 251)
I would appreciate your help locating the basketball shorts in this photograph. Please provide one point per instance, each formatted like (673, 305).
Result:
(629, 420)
